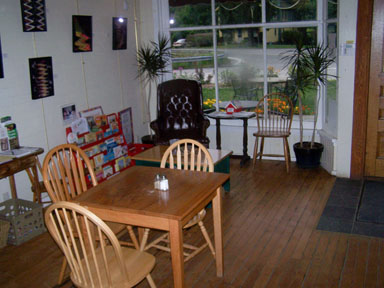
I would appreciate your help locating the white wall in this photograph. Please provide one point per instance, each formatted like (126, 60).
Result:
(346, 69)
(103, 77)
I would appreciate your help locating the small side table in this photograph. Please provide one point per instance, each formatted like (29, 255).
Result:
(17, 164)
(239, 115)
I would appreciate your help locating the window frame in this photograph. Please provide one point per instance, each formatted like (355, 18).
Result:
(161, 16)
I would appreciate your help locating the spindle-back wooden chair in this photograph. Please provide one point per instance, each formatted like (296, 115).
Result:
(186, 154)
(65, 171)
(274, 118)
(94, 255)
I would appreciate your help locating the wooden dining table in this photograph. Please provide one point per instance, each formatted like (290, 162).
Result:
(130, 198)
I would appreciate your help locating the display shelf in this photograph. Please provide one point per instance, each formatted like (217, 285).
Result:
(106, 146)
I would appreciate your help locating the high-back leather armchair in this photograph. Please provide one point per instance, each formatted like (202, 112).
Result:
(180, 112)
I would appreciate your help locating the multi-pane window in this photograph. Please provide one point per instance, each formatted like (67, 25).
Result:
(330, 121)
(235, 50)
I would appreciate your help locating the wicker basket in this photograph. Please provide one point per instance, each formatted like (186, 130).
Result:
(25, 217)
(4, 227)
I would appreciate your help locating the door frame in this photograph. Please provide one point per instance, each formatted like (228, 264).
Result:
(361, 94)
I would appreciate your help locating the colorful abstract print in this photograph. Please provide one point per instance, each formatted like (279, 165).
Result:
(33, 13)
(41, 77)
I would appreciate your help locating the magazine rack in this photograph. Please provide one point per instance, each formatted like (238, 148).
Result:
(106, 146)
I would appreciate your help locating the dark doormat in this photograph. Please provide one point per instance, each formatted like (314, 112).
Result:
(371, 208)
(355, 207)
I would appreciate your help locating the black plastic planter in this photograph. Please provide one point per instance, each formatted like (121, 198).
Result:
(307, 157)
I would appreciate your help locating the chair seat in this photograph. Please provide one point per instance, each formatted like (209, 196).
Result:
(272, 133)
(138, 264)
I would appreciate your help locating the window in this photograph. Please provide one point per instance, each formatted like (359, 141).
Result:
(236, 49)
(331, 103)
(290, 10)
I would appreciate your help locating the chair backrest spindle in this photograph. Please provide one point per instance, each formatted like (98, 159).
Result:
(64, 172)
(190, 154)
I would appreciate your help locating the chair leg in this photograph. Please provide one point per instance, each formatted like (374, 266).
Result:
(62, 271)
(150, 281)
(289, 152)
(133, 237)
(206, 236)
(261, 147)
(255, 151)
(144, 240)
(285, 142)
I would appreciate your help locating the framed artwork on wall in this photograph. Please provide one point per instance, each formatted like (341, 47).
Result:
(81, 33)
(119, 33)
(33, 15)
(41, 74)
(1, 62)
(126, 125)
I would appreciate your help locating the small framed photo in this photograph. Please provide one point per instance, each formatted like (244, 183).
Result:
(95, 111)
(81, 33)
(69, 113)
(41, 74)
(119, 33)
(125, 117)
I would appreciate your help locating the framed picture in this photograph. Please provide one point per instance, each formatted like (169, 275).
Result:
(33, 15)
(95, 111)
(69, 113)
(126, 125)
(119, 33)
(40, 70)
(1, 63)
(81, 33)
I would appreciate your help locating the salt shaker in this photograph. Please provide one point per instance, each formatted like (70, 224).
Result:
(157, 181)
(164, 183)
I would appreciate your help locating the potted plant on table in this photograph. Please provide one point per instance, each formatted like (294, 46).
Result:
(309, 68)
(152, 62)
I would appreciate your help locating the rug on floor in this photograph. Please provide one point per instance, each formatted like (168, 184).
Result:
(354, 207)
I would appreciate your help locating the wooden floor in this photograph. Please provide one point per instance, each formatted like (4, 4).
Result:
(270, 240)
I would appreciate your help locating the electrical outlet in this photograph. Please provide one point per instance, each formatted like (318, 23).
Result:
(6, 196)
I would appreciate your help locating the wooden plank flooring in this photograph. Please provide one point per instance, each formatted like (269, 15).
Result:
(270, 240)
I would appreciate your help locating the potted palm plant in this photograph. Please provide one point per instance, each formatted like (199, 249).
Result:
(152, 62)
(309, 68)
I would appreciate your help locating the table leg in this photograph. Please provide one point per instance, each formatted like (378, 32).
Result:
(217, 225)
(36, 183)
(12, 184)
(245, 143)
(176, 241)
(218, 135)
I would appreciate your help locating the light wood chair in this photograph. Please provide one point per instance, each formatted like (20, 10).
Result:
(95, 256)
(274, 118)
(37, 195)
(185, 154)
(65, 171)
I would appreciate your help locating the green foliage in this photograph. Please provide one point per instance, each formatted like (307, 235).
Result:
(200, 39)
(153, 59)
(308, 67)
(226, 77)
